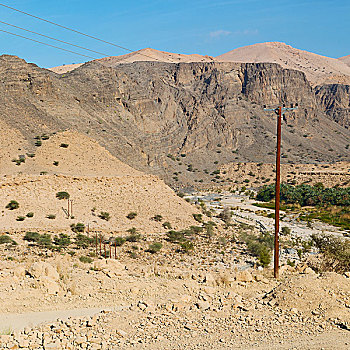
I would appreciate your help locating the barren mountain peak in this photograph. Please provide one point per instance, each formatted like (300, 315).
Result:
(318, 69)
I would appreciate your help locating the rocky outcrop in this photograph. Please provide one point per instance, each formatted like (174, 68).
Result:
(335, 99)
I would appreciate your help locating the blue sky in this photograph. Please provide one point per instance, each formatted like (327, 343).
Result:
(192, 26)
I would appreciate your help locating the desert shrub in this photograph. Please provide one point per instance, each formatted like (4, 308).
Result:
(198, 217)
(31, 155)
(155, 247)
(83, 241)
(38, 143)
(64, 145)
(51, 216)
(62, 240)
(119, 241)
(335, 251)
(78, 227)
(12, 205)
(157, 218)
(85, 259)
(226, 215)
(286, 230)
(175, 236)
(209, 228)
(62, 195)
(104, 215)
(134, 236)
(44, 241)
(30, 215)
(55, 163)
(20, 218)
(167, 225)
(131, 215)
(6, 239)
(31, 236)
(260, 246)
(264, 256)
(195, 229)
(187, 246)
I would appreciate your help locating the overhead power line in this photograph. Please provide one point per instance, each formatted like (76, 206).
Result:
(49, 37)
(40, 42)
(76, 31)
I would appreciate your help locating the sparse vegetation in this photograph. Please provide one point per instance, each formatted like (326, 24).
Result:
(198, 217)
(167, 225)
(6, 239)
(155, 247)
(62, 195)
(51, 216)
(335, 251)
(79, 227)
(131, 215)
(62, 240)
(64, 145)
(12, 205)
(104, 215)
(20, 218)
(85, 259)
(157, 218)
(30, 215)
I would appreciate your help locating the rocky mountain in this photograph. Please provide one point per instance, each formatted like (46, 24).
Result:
(179, 121)
(145, 55)
(318, 69)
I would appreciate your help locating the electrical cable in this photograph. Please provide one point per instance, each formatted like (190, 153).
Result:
(78, 32)
(40, 42)
(49, 37)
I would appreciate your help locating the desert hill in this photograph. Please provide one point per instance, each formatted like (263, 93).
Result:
(345, 59)
(148, 54)
(170, 119)
(318, 69)
(96, 181)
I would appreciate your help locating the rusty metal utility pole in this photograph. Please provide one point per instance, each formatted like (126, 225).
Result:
(279, 111)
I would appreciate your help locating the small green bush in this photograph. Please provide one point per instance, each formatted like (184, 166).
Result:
(104, 215)
(198, 217)
(55, 163)
(119, 241)
(38, 143)
(51, 216)
(62, 195)
(155, 247)
(131, 215)
(175, 236)
(79, 227)
(157, 218)
(167, 225)
(6, 239)
(44, 241)
(12, 205)
(85, 259)
(30, 215)
(64, 145)
(20, 218)
(32, 236)
(187, 246)
(62, 240)
(83, 241)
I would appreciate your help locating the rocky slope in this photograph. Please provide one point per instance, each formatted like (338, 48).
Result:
(198, 114)
(335, 99)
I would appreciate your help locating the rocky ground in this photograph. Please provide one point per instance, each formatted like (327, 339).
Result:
(207, 298)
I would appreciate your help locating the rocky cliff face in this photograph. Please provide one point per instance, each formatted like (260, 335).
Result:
(335, 99)
(199, 114)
